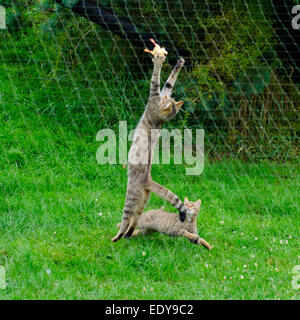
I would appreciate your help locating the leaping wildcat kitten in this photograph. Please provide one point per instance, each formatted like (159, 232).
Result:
(160, 108)
(168, 224)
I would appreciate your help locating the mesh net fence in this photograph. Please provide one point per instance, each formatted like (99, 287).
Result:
(82, 65)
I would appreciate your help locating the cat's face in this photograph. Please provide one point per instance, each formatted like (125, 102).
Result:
(195, 206)
(168, 108)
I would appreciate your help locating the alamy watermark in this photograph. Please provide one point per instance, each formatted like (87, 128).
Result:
(2, 18)
(296, 18)
(184, 147)
(296, 277)
(2, 277)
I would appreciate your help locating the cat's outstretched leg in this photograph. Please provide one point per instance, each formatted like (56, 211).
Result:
(167, 89)
(194, 238)
(204, 243)
(155, 79)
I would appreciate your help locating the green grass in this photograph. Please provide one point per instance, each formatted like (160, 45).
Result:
(50, 204)
(55, 245)
(50, 221)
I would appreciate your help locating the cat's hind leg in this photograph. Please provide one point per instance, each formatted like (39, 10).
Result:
(129, 213)
(127, 226)
(134, 206)
(194, 238)
(123, 227)
(139, 209)
(135, 232)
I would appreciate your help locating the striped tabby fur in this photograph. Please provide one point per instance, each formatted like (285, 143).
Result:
(160, 108)
(168, 224)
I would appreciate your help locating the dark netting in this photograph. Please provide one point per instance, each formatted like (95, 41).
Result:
(240, 83)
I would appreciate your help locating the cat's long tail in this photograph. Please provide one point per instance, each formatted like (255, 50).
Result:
(172, 198)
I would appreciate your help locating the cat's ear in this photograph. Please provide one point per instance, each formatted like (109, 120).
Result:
(198, 202)
(179, 104)
(186, 200)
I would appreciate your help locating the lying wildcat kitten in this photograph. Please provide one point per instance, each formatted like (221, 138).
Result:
(168, 224)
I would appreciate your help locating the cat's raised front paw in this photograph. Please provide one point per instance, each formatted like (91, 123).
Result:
(181, 61)
(159, 59)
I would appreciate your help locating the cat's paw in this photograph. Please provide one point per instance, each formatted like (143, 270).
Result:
(204, 243)
(159, 59)
(117, 237)
(181, 61)
(123, 227)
